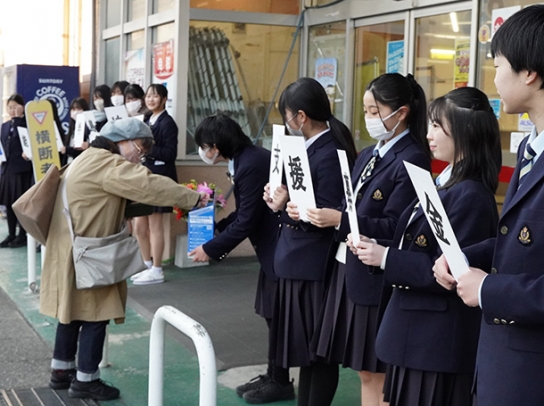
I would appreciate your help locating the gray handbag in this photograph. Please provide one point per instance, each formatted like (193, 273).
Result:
(102, 261)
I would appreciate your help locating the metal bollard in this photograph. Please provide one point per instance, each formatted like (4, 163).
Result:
(31, 263)
(204, 349)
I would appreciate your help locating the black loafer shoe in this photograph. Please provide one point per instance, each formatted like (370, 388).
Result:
(6, 241)
(18, 242)
(96, 390)
(270, 392)
(61, 378)
(253, 384)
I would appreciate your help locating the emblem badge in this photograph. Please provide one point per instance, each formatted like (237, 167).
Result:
(525, 236)
(377, 195)
(421, 241)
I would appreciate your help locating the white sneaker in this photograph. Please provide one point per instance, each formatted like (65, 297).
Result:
(149, 278)
(137, 275)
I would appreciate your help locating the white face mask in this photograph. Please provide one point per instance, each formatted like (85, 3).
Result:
(75, 113)
(376, 128)
(292, 131)
(99, 104)
(117, 100)
(202, 154)
(133, 107)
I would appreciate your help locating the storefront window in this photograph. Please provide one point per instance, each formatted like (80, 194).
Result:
(135, 9)
(113, 13)
(442, 52)
(379, 49)
(163, 33)
(326, 61)
(255, 6)
(235, 68)
(512, 126)
(163, 5)
(112, 60)
(134, 58)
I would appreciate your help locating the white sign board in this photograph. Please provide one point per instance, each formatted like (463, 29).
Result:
(79, 131)
(297, 173)
(437, 218)
(60, 143)
(276, 159)
(25, 141)
(350, 198)
(90, 120)
(116, 113)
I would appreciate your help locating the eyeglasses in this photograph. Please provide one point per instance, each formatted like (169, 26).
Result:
(292, 117)
(141, 152)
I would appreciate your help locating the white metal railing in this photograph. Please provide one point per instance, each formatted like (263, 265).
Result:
(204, 350)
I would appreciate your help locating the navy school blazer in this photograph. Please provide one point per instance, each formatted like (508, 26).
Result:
(380, 202)
(304, 251)
(251, 219)
(12, 147)
(165, 148)
(425, 326)
(510, 361)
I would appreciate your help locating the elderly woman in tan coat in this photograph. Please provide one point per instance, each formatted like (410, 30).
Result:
(101, 180)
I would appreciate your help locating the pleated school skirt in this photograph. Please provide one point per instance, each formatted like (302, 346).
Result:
(296, 312)
(265, 296)
(14, 185)
(409, 387)
(346, 332)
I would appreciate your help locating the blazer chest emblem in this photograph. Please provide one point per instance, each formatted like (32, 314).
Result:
(377, 195)
(525, 236)
(421, 241)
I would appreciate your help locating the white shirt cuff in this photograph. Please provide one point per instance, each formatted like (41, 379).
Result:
(480, 292)
(384, 258)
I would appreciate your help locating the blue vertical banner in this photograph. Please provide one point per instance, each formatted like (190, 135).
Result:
(58, 83)
(395, 57)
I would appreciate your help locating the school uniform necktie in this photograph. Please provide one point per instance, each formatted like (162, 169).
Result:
(526, 162)
(370, 165)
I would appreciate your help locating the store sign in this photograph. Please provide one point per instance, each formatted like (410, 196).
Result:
(500, 15)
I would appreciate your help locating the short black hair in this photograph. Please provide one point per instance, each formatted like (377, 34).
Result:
(121, 85)
(466, 115)
(135, 91)
(79, 102)
(521, 40)
(17, 98)
(395, 91)
(104, 92)
(224, 133)
(159, 89)
(308, 95)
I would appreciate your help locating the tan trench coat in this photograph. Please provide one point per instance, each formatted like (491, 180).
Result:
(97, 189)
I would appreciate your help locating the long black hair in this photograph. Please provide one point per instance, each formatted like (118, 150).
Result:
(103, 92)
(78, 102)
(308, 95)
(223, 132)
(395, 91)
(17, 98)
(466, 115)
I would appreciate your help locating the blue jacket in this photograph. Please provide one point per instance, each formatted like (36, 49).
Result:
(510, 361)
(380, 202)
(304, 251)
(165, 148)
(425, 326)
(252, 218)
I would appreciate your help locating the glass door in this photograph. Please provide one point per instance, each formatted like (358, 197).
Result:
(379, 48)
(442, 48)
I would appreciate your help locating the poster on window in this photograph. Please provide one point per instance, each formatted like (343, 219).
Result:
(500, 15)
(461, 63)
(326, 70)
(135, 66)
(395, 57)
(163, 69)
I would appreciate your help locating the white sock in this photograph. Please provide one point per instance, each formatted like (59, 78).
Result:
(156, 270)
(149, 264)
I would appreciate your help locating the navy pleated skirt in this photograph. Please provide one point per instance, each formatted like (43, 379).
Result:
(13, 185)
(265, 296)
(296, 312)
(346, 332)
(408, 387)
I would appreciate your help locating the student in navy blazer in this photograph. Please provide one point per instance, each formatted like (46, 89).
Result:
(161, 160)
(304, 252)
(428, 336)
(16, 177)
(220, 139)
(507, 282)
(396, 115)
